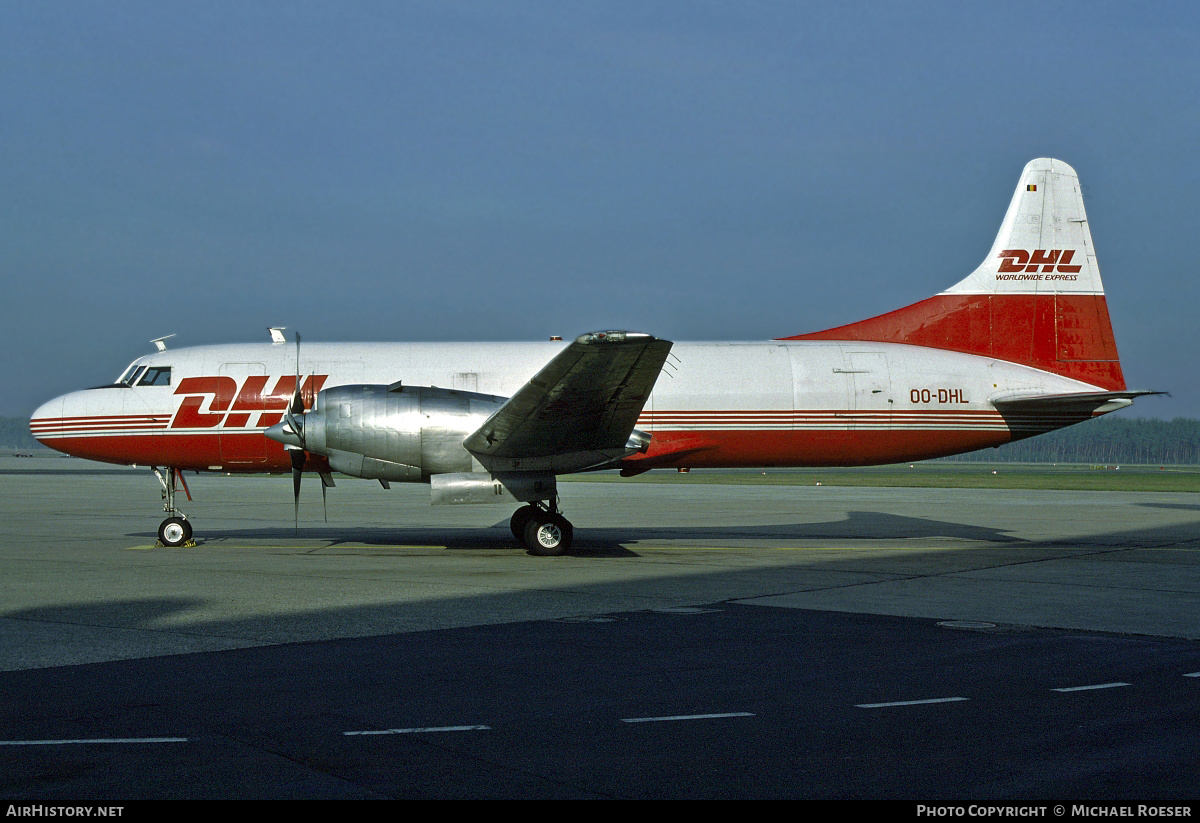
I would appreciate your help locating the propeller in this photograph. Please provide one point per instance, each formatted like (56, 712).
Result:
(290, 432)
(295, 420)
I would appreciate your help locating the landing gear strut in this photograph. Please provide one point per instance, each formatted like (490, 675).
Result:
(543, 530)
(175, 530)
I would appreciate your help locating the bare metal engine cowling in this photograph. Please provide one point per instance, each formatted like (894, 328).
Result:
(403, 434)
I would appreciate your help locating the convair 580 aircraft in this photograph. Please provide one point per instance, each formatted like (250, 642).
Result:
(1023, 345)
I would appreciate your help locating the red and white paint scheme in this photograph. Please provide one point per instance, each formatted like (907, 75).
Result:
(1022, 345)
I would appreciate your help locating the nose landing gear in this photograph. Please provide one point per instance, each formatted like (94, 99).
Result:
(175, 530)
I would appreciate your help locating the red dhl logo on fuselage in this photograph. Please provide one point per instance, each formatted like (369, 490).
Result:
(232, 406)
(1049, 260)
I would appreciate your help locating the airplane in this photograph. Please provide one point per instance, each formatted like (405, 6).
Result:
(1021, 346)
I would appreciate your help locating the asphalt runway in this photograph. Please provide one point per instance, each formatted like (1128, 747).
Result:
(710, 641)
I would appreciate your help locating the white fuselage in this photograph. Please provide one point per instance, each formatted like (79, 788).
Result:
(778, 403)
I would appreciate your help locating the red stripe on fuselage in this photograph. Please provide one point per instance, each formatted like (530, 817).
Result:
(223, 451)
(867, 442)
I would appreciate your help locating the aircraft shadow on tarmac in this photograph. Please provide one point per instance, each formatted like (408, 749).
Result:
(604, 542)
(610, 542)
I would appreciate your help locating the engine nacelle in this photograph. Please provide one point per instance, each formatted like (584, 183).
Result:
(404, 433)
(485, 487)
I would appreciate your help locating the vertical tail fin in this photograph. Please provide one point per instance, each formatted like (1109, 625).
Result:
(1037, 298)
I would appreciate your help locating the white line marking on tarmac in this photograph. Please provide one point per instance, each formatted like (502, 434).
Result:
(684, 717)
(420, 730)
(910, 702)
(93, 740)
(1088, 688)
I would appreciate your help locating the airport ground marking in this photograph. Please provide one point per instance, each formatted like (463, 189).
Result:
(910, 702)
(1089, 688)
(94, 740)
(420, 730)
(668, 718)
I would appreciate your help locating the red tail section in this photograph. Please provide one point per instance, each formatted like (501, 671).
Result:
(1036, 300)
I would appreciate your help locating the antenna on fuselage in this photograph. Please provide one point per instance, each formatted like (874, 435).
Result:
(277, 334)
(160, 343)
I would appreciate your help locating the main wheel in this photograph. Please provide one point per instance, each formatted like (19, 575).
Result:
(520, 519)
(548, 535)
(174, 531)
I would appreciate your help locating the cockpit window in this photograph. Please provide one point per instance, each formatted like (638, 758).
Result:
(129, 378)
(156, 376)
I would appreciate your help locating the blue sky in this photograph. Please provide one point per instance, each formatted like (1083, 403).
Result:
(508, 171)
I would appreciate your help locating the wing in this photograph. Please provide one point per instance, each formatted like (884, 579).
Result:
(579, 411)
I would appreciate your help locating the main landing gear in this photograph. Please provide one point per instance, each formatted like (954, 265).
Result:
(175, 530)
(543, 530)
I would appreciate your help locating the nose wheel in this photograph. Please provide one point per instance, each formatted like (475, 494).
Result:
(544, 532)
(174, 531)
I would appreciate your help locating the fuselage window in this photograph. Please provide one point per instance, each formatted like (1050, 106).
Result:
(156, 376)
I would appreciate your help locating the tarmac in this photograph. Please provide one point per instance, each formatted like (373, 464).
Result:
(83, 581)
(700, 641)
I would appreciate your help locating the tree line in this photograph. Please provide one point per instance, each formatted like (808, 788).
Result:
(14, 434)
(1106, 440)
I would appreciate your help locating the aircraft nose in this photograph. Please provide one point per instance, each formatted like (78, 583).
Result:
(46, 422)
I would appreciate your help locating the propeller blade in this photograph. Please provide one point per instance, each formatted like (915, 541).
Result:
(297, 456)
(326, 483)
(295, 411)
(297, 400)
(294, 415)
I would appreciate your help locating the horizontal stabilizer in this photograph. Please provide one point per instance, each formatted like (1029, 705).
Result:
(1080, 401)
(579, 410)
(1030, 414)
